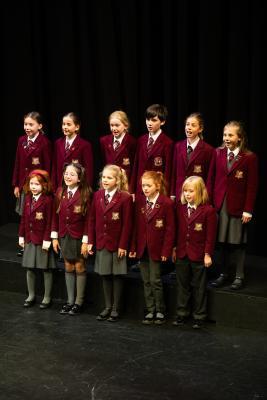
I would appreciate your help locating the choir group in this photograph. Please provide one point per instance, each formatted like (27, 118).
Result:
(157, 201)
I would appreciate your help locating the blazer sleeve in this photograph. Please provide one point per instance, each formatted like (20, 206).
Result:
(212, 222)
(127, 222)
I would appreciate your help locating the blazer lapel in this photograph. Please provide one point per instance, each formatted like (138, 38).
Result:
(113, 201)
(155, 209)
(236, 162)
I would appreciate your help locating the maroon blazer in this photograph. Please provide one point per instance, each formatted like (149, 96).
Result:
(239, 185)
(195, 235)
(69, 220)
(37, 157)
(80, 152)
(35, 224)
(110, 226)
(201, 163)
(157, 231)
(123, 157)
(158, 159)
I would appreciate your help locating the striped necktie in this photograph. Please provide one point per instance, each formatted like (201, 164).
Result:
(116, 145)
(150, 143)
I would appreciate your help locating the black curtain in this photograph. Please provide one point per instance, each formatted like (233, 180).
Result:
(94, 57)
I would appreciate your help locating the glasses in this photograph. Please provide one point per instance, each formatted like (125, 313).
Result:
(71, 174)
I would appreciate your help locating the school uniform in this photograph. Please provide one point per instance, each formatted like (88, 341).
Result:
(200, 163)
(196, 235)
(109, 229)
(153, 238)
(235, 191)
(159, 158)
(79, 152)
(35, 228)
(69, 224)
(123, 156)
(37, 156)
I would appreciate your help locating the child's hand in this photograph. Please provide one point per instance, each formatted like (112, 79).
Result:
(122, 253)
(16, 192)
(133, 196)
(174, 254)
(84, 250)
(132, 254)
(56, 246)
(163, 258)
(245, 218)
(89, 249)
(207, 260)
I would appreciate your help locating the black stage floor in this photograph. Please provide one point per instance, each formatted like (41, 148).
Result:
(45, 355)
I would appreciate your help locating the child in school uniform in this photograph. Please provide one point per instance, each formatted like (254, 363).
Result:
(119, 147)
(195, 241)
(109, 229)
(71, 149)
(154, 150)
(69, 233)
(153, 241)
(192, 156)
(235, 190)
(34, 235)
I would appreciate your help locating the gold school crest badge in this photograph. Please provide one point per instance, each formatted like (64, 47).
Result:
(239, 174)
(197, 169)
(35, 161)
(158, 161)
(126, 161)
(39, 216)
(77, 209)
(115, 216)
(159, 223)
(198, 227)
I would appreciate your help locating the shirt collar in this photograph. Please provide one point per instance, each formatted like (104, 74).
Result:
(120, 139)
(155, 135)
(154, 200)
(36, 197)
(73, 190)
(70, 141)
(111, 194)
(235, 151)
(33, 138)
(194, 144)
(191, 206)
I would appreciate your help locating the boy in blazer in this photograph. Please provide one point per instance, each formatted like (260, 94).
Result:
(154, 149)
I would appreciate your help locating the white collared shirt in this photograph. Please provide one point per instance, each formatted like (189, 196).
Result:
(153, 201)
(194, 144)
(119, 139)
(111, 194)
(154, 136)
(33, 138)
(235, 151)
(70, 141)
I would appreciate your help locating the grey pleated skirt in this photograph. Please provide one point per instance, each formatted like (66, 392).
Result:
(231, 230)
(70, 248)
(35, 257)
(107, 263)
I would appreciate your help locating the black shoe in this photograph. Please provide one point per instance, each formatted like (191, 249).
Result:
(103, 315)
(76, 309)
(149, 319)
(66, 308)
(219, 282)
(43, 305)
(197, 324)
(114, 316)
(29, 303)
(237, 284)
(20, 253)
(180, 321)
(159, 319)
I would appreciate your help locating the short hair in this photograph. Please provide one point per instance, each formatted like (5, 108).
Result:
(157, 110)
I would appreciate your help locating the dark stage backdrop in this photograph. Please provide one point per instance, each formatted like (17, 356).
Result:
(94, 57)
